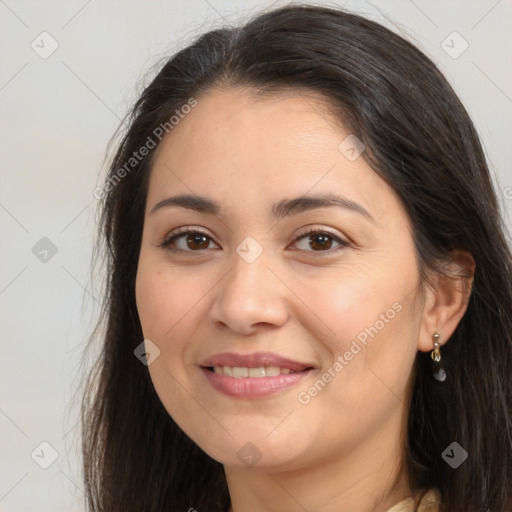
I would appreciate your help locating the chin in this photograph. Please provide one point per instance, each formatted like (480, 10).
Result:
(252, 452)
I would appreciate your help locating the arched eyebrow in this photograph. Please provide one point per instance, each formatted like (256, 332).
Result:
(280, 210)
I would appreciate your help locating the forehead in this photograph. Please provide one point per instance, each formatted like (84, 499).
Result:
(246, 120)
(236, 143)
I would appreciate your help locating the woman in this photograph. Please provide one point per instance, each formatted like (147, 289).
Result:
(309, 303)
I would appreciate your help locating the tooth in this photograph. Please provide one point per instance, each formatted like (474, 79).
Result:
(272, 371)
(240, 372)
(257, 372)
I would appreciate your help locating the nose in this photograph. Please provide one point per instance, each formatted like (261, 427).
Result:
(249, 299)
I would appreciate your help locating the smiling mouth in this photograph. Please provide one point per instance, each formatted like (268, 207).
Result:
(241, 372)
(255, 382)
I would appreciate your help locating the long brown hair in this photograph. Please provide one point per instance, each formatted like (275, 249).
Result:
(420, 139)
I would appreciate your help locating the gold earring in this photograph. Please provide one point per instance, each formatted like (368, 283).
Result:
(440, 374)
(436, 353)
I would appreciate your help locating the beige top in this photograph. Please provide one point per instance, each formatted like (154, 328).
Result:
(426, 501)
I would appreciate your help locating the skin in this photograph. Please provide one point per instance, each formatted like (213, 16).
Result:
(343, 449)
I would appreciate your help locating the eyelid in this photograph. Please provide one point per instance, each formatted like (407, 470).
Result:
(180, 231)
(318, 229)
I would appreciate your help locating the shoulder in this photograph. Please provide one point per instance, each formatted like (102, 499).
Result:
(429, 501)
(423, 501)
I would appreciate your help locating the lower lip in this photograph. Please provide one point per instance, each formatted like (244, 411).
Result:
(250, 388)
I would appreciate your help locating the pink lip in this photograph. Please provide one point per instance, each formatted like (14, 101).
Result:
(254, 361)
(251, 388)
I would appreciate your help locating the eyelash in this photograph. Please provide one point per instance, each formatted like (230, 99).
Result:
(180, 232)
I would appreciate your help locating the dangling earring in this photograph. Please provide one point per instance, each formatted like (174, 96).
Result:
(436, 353)
(440, 374)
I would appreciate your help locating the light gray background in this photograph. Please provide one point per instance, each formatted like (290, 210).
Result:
(57, 114)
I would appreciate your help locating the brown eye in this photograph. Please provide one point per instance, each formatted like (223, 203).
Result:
(320, 241)
(188, 241)
(197, 241)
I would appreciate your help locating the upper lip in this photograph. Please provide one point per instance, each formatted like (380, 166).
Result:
(255, 360)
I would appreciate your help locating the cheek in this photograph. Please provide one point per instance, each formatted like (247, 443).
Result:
(372, 351)
(167, 303)
(348, 302)
(370, 321)
(171, 306)
(165, 298)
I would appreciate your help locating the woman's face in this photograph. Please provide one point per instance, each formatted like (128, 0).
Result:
(332, 316)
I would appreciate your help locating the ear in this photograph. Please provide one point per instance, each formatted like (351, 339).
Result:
(446, 298)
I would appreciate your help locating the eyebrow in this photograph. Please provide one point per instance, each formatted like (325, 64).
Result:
(280, 210)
